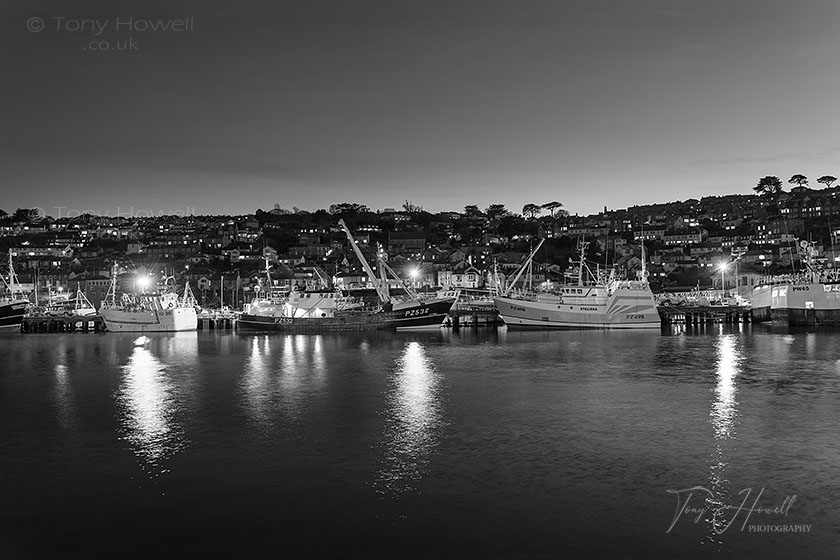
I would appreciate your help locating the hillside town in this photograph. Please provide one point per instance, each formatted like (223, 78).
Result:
(725, 242)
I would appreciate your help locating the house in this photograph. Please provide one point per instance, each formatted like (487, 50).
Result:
(314, 251)
(649, 233)
(462, 275)
(757, 257)
(134, 248)
(412, 242)
(683, 238)
(94, 285)
(745, 281)
(351, 280)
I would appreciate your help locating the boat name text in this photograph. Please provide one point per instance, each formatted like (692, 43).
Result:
(417, 312)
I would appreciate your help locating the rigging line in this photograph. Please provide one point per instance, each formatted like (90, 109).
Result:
(790, 249)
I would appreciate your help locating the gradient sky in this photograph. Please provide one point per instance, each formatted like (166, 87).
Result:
(446, 103)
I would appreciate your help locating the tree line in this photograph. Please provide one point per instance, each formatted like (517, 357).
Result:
(771, 185)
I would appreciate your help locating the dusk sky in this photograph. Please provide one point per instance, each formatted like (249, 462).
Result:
(445, 103)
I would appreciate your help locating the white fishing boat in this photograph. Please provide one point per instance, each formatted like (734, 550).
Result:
(809, 297)
(159, 311)
(316, 302)
(592, 303)
(62, 305)
(13, 302)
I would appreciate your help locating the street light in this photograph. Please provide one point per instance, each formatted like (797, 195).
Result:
(722, 265)
(142, 282)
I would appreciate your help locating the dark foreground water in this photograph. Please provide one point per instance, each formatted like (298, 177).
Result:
(438, 445)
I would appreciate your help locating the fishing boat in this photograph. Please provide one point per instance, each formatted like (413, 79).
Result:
(77, 306)
(327, 311)
(594, 302)
(809, 297)
(63, 305)
(311, 302)
(13, 303)
(162, 310)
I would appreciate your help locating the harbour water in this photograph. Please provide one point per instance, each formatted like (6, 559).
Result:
(484, 444)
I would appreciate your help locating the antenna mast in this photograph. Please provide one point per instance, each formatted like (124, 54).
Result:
(381, 289)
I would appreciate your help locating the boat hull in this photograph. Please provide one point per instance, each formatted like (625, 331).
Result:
(167, 320)
(760, 300)
(623, 310)
(801, 304)
(11, 314)
(422, 315)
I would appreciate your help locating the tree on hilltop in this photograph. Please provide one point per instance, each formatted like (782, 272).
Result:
(768, 186)
(471, 210)
(531, 210)
(348, 208)
(827, 180)
(799, 180)
(552, 206)
(496, 211)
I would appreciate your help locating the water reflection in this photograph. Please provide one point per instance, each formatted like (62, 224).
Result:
(63, 396)
(723, 416)
(724, 408)
(148, 405)
(318, 362)
(179, 348)
(294, 366)
(811, 346)
(280, 373)
(256, 379)
(413, 422)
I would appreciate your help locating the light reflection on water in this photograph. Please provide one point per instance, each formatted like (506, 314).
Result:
(256, 378)
(413, 422)
(292, 368)
(62, 389)
(279, 374)
(147, 406)
(723, 416)
(64, 397)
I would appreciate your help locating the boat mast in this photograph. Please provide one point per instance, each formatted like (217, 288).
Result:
(381, 289)
(644, 263)
(14, 285)
(409, 290)
(188, 300)
(383, 273)
(523, 268)
(582, 245)
(8, 284)
(82, 302)
(322, 277)
(111, 296)
(531, 275)
(267, 277)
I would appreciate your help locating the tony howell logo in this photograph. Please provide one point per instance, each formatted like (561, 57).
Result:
(98, 26)
(130, 212)
(699, 503)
